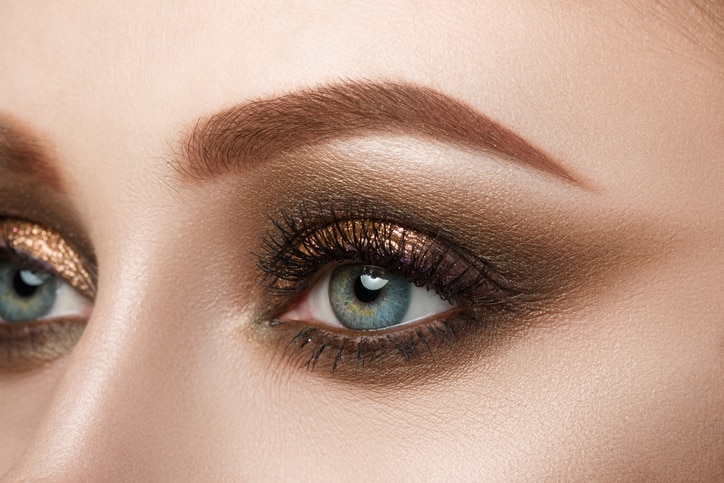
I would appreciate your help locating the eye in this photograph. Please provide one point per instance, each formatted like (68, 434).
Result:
(28, 295)
(363, 297)
(357, 286)
(46, 295)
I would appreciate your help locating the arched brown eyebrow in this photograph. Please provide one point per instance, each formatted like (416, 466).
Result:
(257, 131)
(22, 154)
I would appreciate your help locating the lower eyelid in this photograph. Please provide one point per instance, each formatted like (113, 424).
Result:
(26, 347)
(361, 334)
(411, 355)
(377, 358)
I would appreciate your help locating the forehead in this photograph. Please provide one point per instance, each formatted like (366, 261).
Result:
(166, 49)
(136, 74)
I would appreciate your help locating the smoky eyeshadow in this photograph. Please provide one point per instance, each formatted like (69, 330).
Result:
(553, 262)
(28, 347)
(554, 240)
(41, 224)
(537, 273)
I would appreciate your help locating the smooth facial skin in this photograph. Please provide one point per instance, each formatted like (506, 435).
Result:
(608, 366)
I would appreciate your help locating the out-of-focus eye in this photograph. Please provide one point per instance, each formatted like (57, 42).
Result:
(28, 295)
(363, 297)
(46, 295)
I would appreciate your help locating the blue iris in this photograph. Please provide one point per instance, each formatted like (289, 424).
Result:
(25, 295)
(364, 297)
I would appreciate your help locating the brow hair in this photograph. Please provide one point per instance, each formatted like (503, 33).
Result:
(256, 131)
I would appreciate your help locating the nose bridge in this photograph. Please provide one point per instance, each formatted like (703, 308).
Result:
(124, 395)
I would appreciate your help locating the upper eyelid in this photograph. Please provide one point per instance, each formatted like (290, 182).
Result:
(25, 238)
(462, 269)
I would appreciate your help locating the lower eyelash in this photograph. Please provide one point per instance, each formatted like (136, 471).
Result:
(311, 346)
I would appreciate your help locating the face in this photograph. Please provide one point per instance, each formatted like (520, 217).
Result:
(279, 241)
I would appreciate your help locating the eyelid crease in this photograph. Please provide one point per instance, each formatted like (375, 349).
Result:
(49, 247)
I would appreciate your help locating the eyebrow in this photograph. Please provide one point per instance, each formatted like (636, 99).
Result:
(22, 154)
(257, 131)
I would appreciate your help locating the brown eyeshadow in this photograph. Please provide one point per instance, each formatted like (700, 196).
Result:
(23, 153)
(28, 346)
(555, 242)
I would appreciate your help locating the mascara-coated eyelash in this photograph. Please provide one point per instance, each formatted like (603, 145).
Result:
(313, 237)
(304, 241)
(45, 295)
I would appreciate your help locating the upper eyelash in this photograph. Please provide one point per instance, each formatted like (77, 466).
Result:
(312, 236)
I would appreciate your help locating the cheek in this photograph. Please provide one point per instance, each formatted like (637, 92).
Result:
(23, 402)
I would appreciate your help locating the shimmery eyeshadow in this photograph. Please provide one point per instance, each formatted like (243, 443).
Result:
(422, 258)
(49, 247)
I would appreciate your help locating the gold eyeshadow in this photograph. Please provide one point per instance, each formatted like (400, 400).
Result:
(396, 239)
(350, 232)
(312, 237)
(49, 247)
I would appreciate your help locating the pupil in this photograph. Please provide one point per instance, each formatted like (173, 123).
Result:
(22, 288)
(364, 294)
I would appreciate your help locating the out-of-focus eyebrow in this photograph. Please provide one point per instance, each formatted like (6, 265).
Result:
(260, 130)
(22, 154)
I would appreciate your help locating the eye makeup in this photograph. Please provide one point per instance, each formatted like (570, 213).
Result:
(498, 243)
(44, 245)
(45, 292)
(316, 235)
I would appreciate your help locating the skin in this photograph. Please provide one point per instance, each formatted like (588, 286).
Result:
(619, 375)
